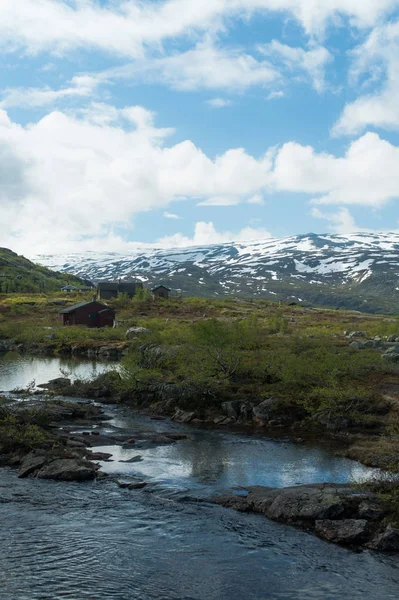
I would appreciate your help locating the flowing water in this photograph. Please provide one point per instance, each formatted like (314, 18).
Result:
(168, 542)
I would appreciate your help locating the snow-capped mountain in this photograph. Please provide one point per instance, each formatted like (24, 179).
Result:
(356, 270)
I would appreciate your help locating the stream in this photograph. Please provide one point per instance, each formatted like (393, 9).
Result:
(168, 541)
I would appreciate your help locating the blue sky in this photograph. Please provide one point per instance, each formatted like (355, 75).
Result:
(178, 122)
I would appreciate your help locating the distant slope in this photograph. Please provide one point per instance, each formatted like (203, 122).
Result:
(356, 271)
(18, 274)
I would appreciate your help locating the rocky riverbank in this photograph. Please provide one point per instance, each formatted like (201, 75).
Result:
(343, 514)
(93, 349)
(51, 439)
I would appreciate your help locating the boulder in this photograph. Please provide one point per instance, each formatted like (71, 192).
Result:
(392, 357)
(353, 334)
(356, 345)
(388, 541)
(393, 338)
(31, 463)
(371, 511)
(345, 531)
(131, 485)
(134, 459)
(135, 332)
(274, 409)
(68, 469)
(232, 408)
(182, 416)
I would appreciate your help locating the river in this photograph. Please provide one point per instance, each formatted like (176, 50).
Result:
(168, 542)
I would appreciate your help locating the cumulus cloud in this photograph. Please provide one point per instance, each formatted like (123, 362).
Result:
(341, 221)
(62, 25)
(82, 177)
(376, 60)
(206, 233)
(311, 62)
(366, 175)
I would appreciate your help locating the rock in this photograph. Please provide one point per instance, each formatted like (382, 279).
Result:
(371, 511)
(232, 408)
(135, 332)
(219, 420)
(345, 531)
(388, 541)
(391, 357)
(104, 456)
(183, 417)
(134, 459)
(68, 469)
(274, 409)
(75, 444)
(130, 485)
(357, 345)
(393, 338)
(176, 436)
(353, 334)
(57, 383)
(31, 463)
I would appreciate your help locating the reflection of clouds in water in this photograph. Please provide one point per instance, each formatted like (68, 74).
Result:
(209, 459)
(19, 371)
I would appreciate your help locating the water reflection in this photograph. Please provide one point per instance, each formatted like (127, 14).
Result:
(18, 370)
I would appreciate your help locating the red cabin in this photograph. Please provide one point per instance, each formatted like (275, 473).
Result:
(91, 314)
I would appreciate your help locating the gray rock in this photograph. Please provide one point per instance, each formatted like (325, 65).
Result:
(182, 416)
(68, 469)
(354, 334)
(357, 345)
(131, 485)
(393, 338)
(388, 541)
(232, 409)
(31, 463)
(274, 409)
(135, 332)
(371, 511)
(391, 357)
(134, 459)
(345, 531)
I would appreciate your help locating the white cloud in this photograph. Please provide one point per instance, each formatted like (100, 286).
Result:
(256, 199)
(79, 179)
(377, 58)
(220, 201)
(206, 233)
(366, 175)
(341, 222)
(275, 94)
(218, 102)
(169, 215)
(208, 66)
(128, 27)
(80, 86)
(312, 62)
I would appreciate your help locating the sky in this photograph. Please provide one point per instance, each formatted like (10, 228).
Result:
(127, 124)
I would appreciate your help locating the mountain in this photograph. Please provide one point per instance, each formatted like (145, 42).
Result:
(356, 271)
(18, 274)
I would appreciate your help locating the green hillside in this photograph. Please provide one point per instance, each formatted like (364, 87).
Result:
(18, 274)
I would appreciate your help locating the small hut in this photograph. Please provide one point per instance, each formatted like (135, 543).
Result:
(161, 291)
(91, 314)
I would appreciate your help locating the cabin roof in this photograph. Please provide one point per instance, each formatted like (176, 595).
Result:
(74, 307)
(158, 287)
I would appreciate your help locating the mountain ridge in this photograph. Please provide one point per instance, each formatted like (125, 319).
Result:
(358, 271)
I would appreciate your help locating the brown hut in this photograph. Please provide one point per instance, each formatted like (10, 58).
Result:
(91, 314)
(161, 291)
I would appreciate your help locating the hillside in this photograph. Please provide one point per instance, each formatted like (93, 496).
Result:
(357, 271)
(18, 274)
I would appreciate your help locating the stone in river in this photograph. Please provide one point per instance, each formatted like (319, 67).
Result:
(68, 469)
(345, 531)
(134, 459)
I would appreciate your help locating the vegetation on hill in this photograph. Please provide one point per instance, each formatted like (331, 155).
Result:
(18, 274)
